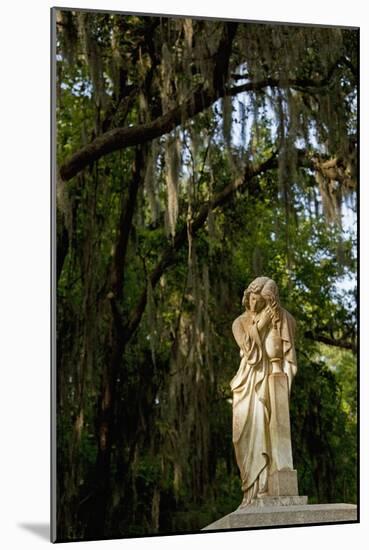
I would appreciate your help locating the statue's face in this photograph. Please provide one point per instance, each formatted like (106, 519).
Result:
(256, 301)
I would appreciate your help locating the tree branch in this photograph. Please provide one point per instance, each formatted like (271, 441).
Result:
(301, 84)
(298, 83)
(168, 257)
(120, 138)
(125, 224)
(337, 342)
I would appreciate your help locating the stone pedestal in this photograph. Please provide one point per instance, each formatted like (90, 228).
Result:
(280, 431)
(283, 483)
(282, 506)
(266, 501)
(283, 515)
(282, 478)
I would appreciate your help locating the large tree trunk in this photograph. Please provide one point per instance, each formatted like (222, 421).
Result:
(105, 420)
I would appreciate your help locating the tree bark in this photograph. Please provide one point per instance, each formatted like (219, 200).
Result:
(105, 421)
(62, 245)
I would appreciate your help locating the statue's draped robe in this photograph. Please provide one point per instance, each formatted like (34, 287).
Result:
(251, 403)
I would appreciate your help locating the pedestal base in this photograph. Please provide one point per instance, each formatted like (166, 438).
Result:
(268, 501)
(267, 516)
(283, 483)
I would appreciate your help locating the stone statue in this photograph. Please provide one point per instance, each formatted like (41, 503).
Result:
(261, 420)
(261, 387)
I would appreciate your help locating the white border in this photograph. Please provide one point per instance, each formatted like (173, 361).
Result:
(25, 240)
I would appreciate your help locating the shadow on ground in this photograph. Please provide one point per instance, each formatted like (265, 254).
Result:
(42, 530)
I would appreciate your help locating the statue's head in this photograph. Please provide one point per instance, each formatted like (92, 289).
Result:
(260, 293)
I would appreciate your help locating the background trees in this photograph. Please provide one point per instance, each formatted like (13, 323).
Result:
(193, 156)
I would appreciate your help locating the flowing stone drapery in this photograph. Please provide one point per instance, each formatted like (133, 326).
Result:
(261, 428)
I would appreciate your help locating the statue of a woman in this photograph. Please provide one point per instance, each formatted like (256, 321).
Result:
(265, 335)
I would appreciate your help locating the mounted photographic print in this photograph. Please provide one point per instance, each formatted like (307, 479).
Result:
(204, 318)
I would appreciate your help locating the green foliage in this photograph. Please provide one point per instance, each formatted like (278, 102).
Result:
(160, 395)
(324, 432)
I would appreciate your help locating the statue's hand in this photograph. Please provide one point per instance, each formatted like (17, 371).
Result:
(265, 317)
